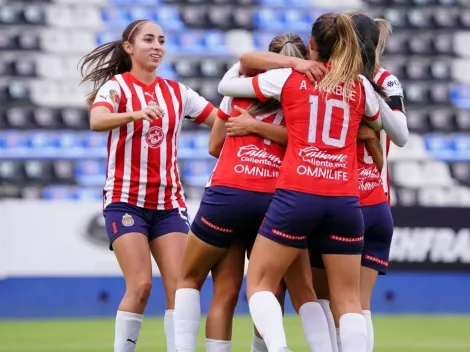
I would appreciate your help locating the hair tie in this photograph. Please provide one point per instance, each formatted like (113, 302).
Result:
(133, 29)
(335, 20)
(289, 41)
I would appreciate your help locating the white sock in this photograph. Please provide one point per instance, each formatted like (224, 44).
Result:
(169, 327)
(315, 327)
(187, 317)
(266, 313)
(217, 346)
(258, 345)
(325, 304)
(370, 330)
(353, 332)
(127, 331)
(338, 338)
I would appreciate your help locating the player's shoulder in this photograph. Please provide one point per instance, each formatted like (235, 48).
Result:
(387, 80)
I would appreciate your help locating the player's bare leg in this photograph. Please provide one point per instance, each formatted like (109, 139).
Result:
(197, 260)
(133, 254)
(320, 285)
(269, 261)
(298, 280)
(167, 250)
(368, 279)
(344, 281)
(227, 278)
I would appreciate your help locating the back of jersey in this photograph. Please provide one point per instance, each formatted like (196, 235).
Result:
(321, 157)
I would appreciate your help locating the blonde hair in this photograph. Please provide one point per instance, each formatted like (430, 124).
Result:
(287, 44)
(336, 42)
(385, 29)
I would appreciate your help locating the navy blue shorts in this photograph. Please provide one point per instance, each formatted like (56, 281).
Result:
(334, 222)
(228, 214)
(121, 218)
(378, 233)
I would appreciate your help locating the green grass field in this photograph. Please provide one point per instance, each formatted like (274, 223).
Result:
(404, 334)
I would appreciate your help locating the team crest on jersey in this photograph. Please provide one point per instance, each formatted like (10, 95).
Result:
(154, 137)
(112, 97)
(127, 220)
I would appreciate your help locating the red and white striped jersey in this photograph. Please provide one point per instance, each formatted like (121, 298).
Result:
(374, 186)
(142, 168)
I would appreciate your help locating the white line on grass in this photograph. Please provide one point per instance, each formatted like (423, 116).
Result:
(430, 345)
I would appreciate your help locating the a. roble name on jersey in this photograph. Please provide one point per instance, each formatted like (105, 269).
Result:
(436, 245)
(253, 154)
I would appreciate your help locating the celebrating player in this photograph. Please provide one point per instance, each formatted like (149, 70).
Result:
(231, 212)
(144, 205)
(317, 185)
(373, 184)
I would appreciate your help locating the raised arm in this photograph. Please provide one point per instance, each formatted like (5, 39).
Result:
(219, 131)
(233, 85)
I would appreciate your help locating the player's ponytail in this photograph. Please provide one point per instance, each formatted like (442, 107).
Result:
(385, 29)
(336, 42)
(288, 44)
(107, 60)
(369, 60)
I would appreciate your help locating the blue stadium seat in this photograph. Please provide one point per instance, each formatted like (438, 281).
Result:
(115, 17)
(169, 18)
(214, 41)
(90, 172)
(297, 20)
(59, 192)
(268, 19)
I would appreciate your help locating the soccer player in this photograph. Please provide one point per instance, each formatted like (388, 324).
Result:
(231, 211)
(373, 184)
(317, 185)
(144, 206)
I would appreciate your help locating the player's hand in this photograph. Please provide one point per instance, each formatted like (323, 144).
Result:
(151, 112)
(314, 70)
(365, 133)
(242, 125)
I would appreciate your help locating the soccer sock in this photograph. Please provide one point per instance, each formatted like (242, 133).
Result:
(315, 327)
(187, 317)
(266, 313)
(127, 331)
(370, 330)
(169, 327)
(353, 332)
(338, 338)
(258, 345)
(217, 346)
(325, 304)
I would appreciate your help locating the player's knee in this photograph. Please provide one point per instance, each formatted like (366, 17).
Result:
(226, 294)
(347, 300)
(140, 290)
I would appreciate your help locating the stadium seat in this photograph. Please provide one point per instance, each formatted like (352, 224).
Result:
(462, 120)
(63, 171)
(418, 121)
(38, 171)
(10, 171)
(442, 120)
(19, 118)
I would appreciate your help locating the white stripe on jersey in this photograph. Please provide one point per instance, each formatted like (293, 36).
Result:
(174, 145)
(163, 147)
(110, 177)
(143, 151)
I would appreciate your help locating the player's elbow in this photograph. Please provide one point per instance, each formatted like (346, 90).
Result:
(402, 139)
(223, 88)
(214, 150)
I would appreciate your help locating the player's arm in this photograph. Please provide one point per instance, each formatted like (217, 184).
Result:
(263, 86)
(373, 146)
(257, 61)
(104, 114)
(393, 112)
(372, 108)
(219, 131)
(197, 108)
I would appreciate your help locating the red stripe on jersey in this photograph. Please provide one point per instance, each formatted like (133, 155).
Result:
(259, 94)
(177, 89)
(222, 115)
(103, 104)
(119, 164)
(372, 118)
(136, 149)
(204, 114)
(153, 170)
(172, 119)
(383, 77)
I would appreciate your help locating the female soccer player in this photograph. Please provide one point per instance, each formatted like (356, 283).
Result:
(232, 209)
(317, 183)
(373, 183)
(144, 206)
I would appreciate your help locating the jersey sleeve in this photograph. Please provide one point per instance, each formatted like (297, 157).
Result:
(109, 96)
(394, 91)
(372, 107)
(225, 108)
(270, 84)
(195, 107)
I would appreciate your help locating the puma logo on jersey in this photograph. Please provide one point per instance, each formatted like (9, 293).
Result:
(152, 96)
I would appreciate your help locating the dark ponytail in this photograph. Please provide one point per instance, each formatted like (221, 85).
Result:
(107, 60)
(368, 54)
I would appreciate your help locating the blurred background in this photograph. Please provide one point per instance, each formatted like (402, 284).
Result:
(54, 261)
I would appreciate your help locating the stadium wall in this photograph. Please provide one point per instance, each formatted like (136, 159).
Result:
(54, 262)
